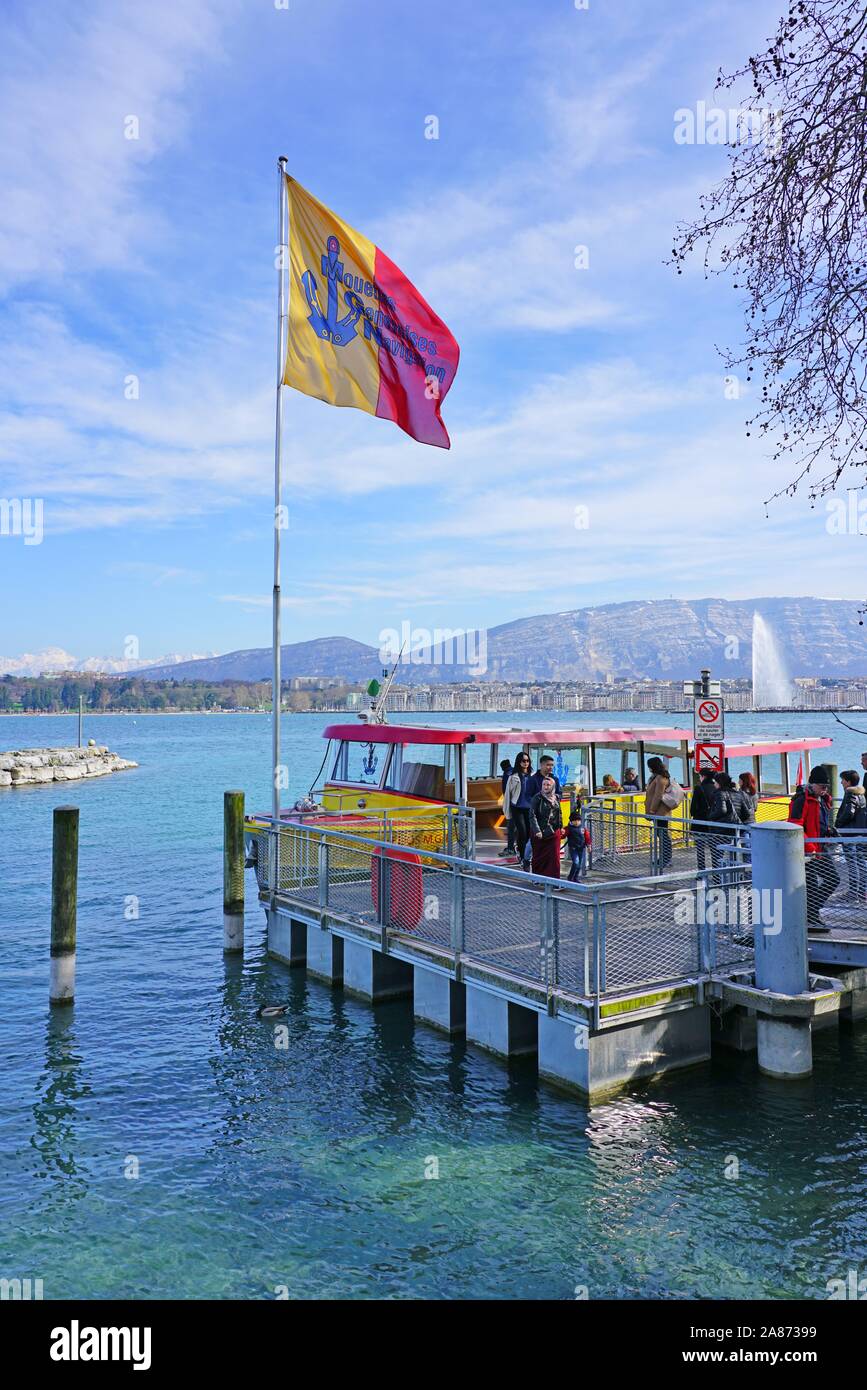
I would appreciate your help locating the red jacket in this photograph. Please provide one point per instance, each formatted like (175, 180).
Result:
(805, 810)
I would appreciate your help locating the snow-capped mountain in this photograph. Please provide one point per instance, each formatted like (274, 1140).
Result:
(53, 659)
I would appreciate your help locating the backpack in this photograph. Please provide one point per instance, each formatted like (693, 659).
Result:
(672, 796)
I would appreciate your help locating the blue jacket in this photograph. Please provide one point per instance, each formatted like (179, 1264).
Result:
(523, 802)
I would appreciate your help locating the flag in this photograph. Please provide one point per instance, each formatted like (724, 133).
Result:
(360, 334)
(799, 776)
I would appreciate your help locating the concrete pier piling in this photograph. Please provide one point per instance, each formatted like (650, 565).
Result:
(64, 904)
(233, 871)
(780, 929)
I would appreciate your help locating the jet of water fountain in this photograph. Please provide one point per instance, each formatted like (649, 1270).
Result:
(772, 686)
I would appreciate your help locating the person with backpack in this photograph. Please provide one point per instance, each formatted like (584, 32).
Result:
(662, 796)
(851, 826)
(699, 811)
(811, 808)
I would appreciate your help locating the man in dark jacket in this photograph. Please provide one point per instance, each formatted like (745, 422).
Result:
(545, 769)
(851, 826)
(699, 810)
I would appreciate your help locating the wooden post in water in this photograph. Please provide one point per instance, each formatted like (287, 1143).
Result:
(64, 904)
(233, 871)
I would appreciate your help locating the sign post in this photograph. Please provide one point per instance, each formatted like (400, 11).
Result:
(708, 723)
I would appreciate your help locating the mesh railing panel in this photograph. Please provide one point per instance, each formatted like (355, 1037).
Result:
(649, 940)
(836, 873)
(503, 925)
(349, 887)
(574, 961)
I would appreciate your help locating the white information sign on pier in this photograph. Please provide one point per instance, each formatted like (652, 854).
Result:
(709, 719)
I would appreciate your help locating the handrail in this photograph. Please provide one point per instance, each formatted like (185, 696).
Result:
(519, 877)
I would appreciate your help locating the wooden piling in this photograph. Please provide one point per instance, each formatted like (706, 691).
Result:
(64, 904)
(233, 871)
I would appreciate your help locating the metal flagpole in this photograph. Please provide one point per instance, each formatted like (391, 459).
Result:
(278, 491)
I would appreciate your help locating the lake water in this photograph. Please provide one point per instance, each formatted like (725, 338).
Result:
(304, 1169)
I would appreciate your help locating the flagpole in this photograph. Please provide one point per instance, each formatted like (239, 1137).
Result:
(278, 495)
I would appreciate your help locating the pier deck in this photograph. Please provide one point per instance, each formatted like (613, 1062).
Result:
(606, 981)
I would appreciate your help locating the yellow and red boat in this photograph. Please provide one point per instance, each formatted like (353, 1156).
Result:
(440, 788)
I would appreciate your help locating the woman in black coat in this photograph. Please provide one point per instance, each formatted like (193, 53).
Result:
(546, 824)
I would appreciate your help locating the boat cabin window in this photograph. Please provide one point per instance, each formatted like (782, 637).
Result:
(483, 760)
(773, 773)
(417, 769)
(359, 763)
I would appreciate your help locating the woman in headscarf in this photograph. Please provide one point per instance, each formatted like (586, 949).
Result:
(546, 824)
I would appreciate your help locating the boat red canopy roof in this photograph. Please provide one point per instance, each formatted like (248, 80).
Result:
(554, 738)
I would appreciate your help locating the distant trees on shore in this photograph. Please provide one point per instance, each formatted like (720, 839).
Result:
(103, 695)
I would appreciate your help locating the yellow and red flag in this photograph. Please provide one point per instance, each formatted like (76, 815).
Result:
(360, 334)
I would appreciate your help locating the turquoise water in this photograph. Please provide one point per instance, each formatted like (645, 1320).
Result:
(303, 1168)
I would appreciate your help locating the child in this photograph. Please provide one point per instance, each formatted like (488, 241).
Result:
(576, 842)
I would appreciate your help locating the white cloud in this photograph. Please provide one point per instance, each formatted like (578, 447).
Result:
(73, 196)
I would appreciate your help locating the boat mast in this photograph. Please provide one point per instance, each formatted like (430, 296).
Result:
(377, 713)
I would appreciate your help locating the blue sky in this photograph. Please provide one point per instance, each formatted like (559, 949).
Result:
(596, 388)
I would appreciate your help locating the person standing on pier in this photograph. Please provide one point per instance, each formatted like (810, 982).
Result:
(546, 824)
(507, 770)
(745, 798)
(577, 841)
(659, 788)
(546, 769)
(699, 813)
(811, 808)
(851, 826)
(518, 798)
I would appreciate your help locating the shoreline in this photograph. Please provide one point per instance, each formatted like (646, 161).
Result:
(396, 715)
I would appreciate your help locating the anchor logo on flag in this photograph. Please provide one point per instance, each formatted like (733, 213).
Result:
(327, 325)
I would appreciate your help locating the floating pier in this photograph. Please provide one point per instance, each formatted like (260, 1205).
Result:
(29, 766)
(604, 983)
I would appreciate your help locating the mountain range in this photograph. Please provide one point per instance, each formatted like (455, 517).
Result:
(54, 659)
(654, 638)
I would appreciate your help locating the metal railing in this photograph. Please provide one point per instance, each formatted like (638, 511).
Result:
(625, 843)
(446, 830)
(836, 873)
(591, 940)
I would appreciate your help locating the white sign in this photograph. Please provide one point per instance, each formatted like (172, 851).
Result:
(709, 726)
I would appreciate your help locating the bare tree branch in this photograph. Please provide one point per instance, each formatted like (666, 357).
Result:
(789, 223)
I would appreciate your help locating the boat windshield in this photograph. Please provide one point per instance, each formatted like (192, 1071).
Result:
(359, 763)
(420, 769)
